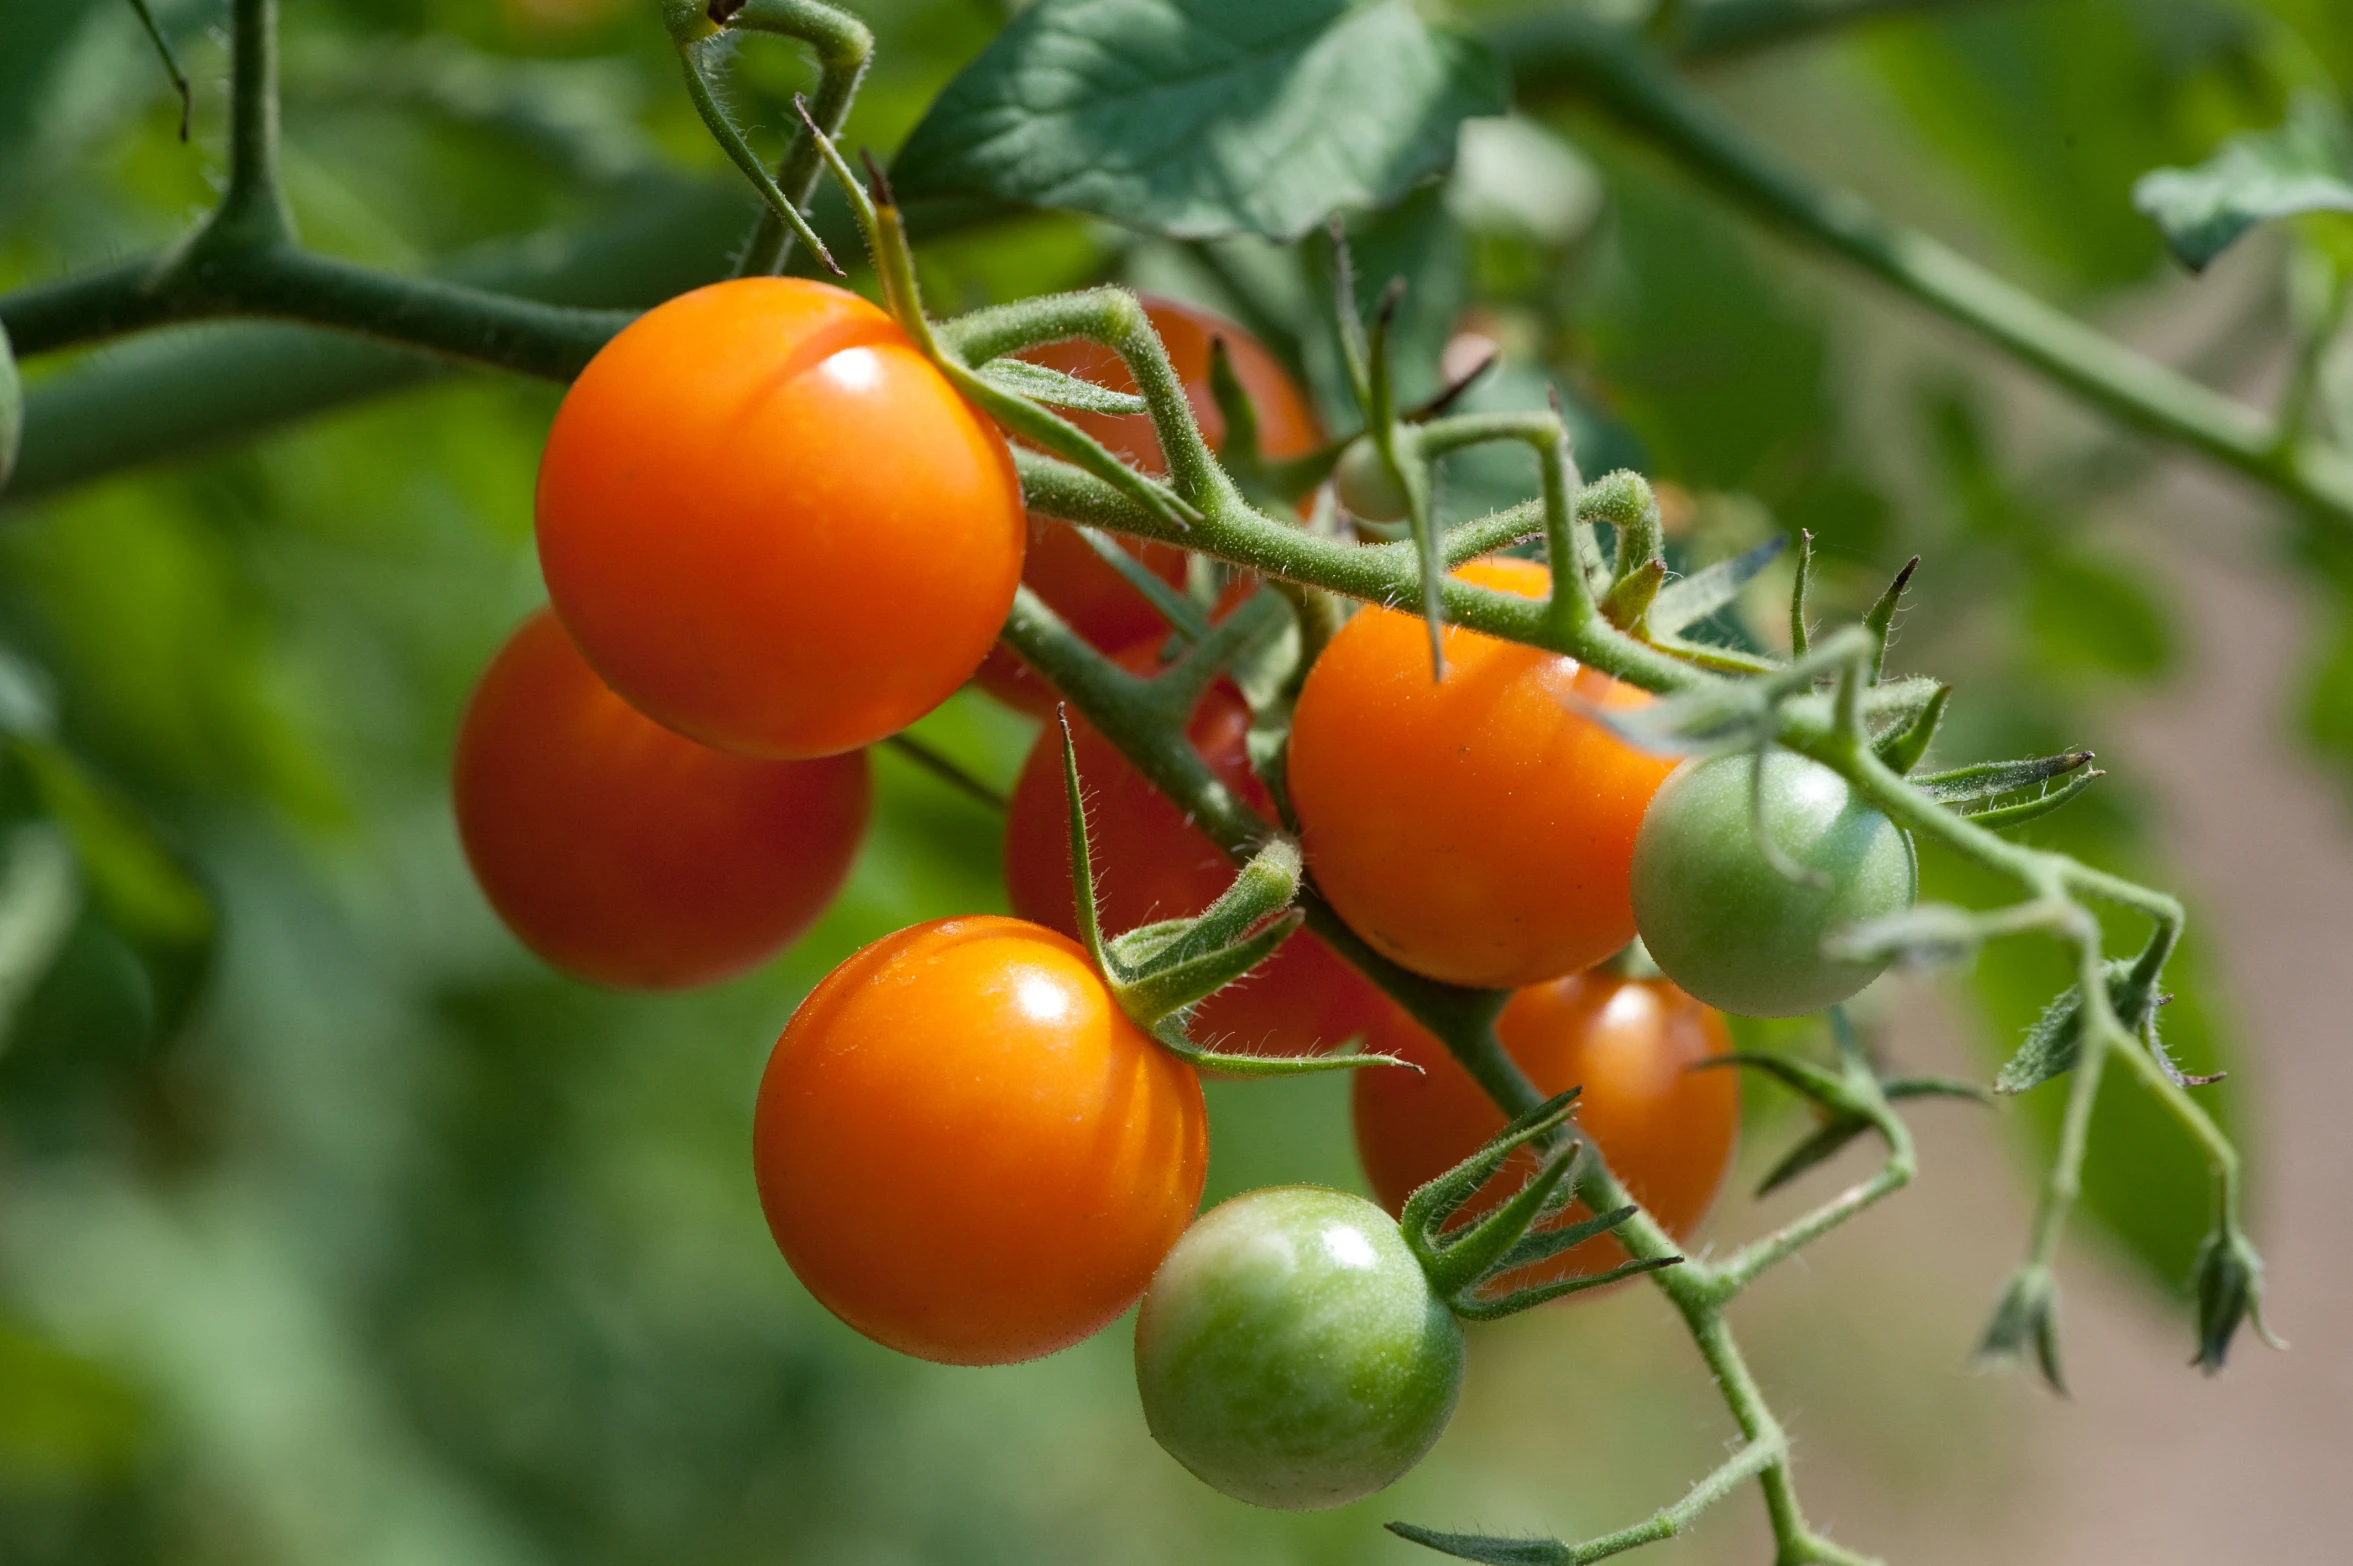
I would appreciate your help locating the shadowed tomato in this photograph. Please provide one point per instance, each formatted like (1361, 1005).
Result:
(1152, 863)
(1074, 581)
(1665, 1129)
(1477, 829)
(626, 854)
(772, 525)
(967, 1151)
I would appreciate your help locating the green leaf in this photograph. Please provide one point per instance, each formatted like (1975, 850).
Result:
(1688, 600)
(1202, 118)
(2305, 165)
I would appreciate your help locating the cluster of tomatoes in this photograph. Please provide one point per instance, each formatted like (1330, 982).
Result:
(773, 534)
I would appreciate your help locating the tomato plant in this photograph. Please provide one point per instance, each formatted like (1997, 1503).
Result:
(1292, 1352)
(777, 523)
(626, 854)
(1665, 1129)
(1078, 584)
(1477, 829)
(771, 525)
(1736, 928)
(1152, 863)
(967, 1151)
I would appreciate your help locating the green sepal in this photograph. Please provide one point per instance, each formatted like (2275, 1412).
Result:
(1630, 596)
(2228, 1283)
(1042, 427)
(1802, 1077)
(1900, 749)
(1827, 1140)
(2056, 1038)
(1479, 1308)
(1800, 637)
(1986, 781)
(1486, 1548)
(1691, 599)
(1044, 384)
(1539, 1245)
(2026, 1322)
(1172, 1037)
(1183, 615)
(1881, 618)
(2000, 816)
(1895, 1088)
(1431, 1204)
(1705, 655)
(1261, 890)
(1177, 984)
(1459, 1262)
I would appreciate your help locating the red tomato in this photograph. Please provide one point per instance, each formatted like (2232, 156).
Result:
(1152, 863)
(1096, 600)
(772, 525)
(1477, 829)
(967, 1151)
(626, 854)
(1665, 1129)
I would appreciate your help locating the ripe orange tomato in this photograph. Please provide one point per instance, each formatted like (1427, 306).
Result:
(1151, 862)
(1475, 830)
(966, 1150)
(626, 854)
(1665, 1129)
(773, 526)
(1097, 601)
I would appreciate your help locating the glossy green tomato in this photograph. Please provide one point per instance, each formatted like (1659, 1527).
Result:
(1728, 925)
(1291, 1353)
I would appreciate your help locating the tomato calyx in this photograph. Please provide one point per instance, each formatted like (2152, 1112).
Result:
(1158, 972)
(1463, 1262)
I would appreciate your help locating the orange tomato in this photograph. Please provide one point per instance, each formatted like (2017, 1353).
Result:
(1152, 862)
(1666, 1130)
(967, 1152)
(628, 855)
(1477, 829)
(772, 525)
(1096, 600)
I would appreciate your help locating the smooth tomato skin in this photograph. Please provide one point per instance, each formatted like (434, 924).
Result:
(1666, 1130)
(771, 525)
(967, 1152)
(1093, 598)
(1725, 923)
(1475, 830)
(626, 854)
(1291, 1352)
(1151, 862)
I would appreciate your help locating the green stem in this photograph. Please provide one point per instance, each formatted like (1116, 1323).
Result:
(253, 208)
(1618, 73)
(844, 47)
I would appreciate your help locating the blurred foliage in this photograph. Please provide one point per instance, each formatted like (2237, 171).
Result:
(335, 1229)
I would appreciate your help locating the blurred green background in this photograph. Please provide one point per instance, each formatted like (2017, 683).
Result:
(335, 1229)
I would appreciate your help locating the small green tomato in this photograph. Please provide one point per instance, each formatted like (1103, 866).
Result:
(1365, 486)
(1724, 922)
(1291, 1352)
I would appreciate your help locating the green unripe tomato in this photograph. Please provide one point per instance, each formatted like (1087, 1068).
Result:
(1292, 1353)
(1724, 922)
(1365, 486)
(12, 409)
